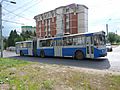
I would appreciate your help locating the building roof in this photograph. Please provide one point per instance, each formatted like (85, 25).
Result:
(28, 27)
(70, 5)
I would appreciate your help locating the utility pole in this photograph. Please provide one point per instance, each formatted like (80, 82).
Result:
(1, 37)
(107, 31)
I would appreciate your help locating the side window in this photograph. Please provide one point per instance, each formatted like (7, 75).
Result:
(21, 45)
(75, 40)
(58, 42)
(78, 40)
(24, 45)
(91, 39)
(43, 43)
(68, 41)
(46, 43)
(52, 43)
(96, 40)
(64, 41)
(40, 43)
(18, 45)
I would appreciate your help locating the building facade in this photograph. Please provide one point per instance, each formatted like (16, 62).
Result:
(70, 19)
(28, 28)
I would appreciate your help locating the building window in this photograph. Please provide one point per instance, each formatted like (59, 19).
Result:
(42, 21)
(67, 24)
(48, 28)
(42, 17)
(52, 13)
(67, 16)
(67, 10)
(49, 22)
(39, 24)
(74, 13)
(45, 28)
(67, 30)
(53, 19)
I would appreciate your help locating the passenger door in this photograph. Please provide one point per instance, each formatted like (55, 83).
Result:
(29, 46)
(89, 47)
(58, 48)
(35, 47)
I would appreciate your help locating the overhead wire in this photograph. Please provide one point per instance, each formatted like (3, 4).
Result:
(24, 5)
(20, 13)
(26, 9)
(16, 14)
(13, 22)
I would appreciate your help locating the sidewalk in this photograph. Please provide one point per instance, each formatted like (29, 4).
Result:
(114, 46)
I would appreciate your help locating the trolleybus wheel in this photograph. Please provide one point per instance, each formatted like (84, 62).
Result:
(21, 53)
(79, 55)
(42, 54)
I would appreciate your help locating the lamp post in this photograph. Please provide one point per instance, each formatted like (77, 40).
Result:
(1, 37)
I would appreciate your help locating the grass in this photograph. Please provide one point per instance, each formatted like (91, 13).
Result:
(23, 75)
(8, 63)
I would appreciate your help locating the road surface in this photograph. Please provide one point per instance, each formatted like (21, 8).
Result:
(110, 62)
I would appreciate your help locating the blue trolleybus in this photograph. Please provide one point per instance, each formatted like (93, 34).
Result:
(79, 46)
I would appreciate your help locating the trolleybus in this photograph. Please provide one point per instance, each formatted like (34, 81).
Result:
(79, 46)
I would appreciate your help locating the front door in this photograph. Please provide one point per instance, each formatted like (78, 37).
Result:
(89, 47)
(58, 48)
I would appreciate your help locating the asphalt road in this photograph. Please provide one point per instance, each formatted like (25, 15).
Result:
(110, 62)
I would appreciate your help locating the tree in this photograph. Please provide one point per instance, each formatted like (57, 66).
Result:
(27, 35)
(13, 37)
(5, 43)
(117, 39)
(113, 38)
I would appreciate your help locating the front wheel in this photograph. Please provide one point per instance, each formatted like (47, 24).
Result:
(79, 55)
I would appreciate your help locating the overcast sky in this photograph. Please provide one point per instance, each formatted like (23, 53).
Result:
(100, 12)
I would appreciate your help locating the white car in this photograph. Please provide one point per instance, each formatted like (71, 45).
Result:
(109, 47)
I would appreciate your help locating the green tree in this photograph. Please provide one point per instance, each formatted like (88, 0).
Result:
(13, 37)
(5, 43)
(113, 38)
(117, 39)
(34, 34)
(27, 35)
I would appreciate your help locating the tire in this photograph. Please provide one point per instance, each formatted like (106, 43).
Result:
(79, 55)
(21, 53)
(42, 54)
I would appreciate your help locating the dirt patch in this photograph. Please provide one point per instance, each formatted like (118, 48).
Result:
(4, 87)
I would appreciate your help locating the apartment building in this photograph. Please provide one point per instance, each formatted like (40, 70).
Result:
(69, 19)
(28, 28)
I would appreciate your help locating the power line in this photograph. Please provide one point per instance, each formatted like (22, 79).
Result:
(24, 5)
(27, 8)
(16, 14)
(13, 22)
